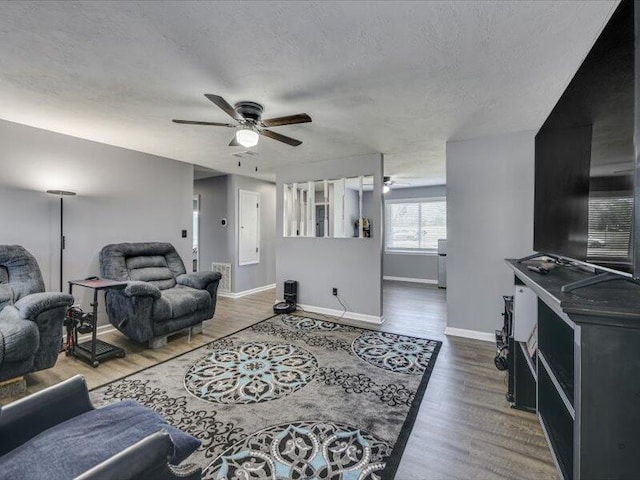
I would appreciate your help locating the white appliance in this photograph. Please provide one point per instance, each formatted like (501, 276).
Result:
(442, 264)
(525, 313)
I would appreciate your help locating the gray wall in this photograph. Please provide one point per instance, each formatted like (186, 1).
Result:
(215, 242)
(420, 266)
(417, 266)
(123, 196)
(489, 218)
(219, 198)
(247, 277)
(352, 265)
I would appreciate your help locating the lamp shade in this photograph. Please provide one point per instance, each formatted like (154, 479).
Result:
(247, 137)
(61, 192)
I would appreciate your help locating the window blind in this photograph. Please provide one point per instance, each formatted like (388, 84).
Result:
(610, 226)
(416, 225)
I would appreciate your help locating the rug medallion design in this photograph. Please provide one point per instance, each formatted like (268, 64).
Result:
(291, 397)
(304, 450)
(252, 372)
(397, 353)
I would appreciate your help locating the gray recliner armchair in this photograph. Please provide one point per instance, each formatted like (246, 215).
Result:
(30, 318)
(160, 297)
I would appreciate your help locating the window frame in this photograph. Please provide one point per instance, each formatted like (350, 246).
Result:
(387, 229)
(595, 254)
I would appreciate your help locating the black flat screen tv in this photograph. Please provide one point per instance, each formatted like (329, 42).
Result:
(585, 158)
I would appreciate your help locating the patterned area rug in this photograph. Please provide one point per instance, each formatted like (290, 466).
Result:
(291, 397)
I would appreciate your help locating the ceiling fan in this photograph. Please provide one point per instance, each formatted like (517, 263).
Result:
(250, 124)
(386, 184)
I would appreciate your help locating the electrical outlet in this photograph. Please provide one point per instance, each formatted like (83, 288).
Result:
(335, 291)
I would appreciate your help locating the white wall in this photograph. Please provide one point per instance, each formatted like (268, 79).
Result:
(352, 265)
(123, 196)
(489, 218)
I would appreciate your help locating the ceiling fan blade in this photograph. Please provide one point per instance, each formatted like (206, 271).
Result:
(212, 124)
(222, 103)
(281, 138)
(288, 120)
(234, 142)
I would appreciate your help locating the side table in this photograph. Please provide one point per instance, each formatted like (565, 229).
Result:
(95, 351)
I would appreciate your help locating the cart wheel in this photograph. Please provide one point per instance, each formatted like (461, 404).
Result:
(66, 352)
(121, 355)
(95, 364)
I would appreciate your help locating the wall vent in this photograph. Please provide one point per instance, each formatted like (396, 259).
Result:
(225, 281)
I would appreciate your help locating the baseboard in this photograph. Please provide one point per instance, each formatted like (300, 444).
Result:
(247, 292)
(411, 280)
(474, 334)
(360, 317)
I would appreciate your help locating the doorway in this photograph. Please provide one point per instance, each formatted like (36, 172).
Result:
(320, 220)
(195, 258)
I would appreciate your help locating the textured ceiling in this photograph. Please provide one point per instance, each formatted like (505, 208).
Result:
(391, 77)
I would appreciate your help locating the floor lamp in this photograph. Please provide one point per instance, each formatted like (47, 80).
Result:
(61, 194)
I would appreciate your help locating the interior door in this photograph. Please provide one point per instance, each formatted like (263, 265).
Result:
(196, 233)
(320, 220)
(249, 227)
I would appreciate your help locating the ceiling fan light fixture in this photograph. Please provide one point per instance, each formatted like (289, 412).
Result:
(247, 137)
(385, 189)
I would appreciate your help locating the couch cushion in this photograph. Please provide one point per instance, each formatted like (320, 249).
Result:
(6, 295)
(6, 292)
(157, 276)
(20, 270)
(180, 301)
(75, 446)
(144, 261)
(19, 338)
(113, 258)
(152, 269)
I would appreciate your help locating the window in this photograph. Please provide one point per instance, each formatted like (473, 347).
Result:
(609, 226)
(415, 224)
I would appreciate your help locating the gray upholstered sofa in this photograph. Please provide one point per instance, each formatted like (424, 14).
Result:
(58, 434)
(30, 318)
(160, 298)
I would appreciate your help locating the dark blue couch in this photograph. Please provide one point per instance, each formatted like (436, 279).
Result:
(160, 298)
(30, 318)
(57, 434)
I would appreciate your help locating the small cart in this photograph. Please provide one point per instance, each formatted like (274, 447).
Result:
(94, 351)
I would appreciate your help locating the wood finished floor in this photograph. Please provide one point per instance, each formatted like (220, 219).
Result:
(464, 430)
